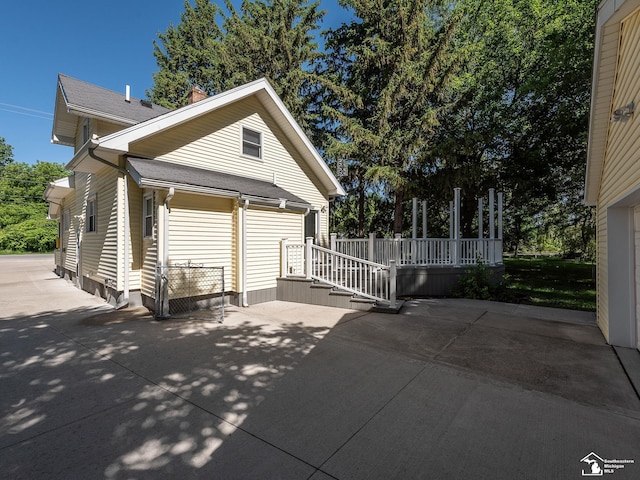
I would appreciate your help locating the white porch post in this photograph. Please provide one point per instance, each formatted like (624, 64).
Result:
(480, 223)
(451, 219)
(492, 227)
(414, 219)
(424, 219)
(499, 252)
(397, 245)
(308, 257)
(456, 231)
(333, 241)
(500, 215)
(284, 269)
(371, 254)
(392, 283)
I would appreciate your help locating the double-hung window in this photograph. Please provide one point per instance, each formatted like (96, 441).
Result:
(147, 215)
(92, 211)
(251, 143)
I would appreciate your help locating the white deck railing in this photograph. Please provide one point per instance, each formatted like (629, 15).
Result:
(361, 277)
(422, 251)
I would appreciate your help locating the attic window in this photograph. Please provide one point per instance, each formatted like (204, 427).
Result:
(251, 143)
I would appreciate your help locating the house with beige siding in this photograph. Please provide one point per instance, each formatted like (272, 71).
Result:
(613, 169)
(217, 183)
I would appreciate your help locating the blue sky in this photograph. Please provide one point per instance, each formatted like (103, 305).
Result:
(105, 42)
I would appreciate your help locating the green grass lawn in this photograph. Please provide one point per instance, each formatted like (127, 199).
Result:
(552, 282)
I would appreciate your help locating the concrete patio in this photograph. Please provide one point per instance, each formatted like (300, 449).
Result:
(445, 389)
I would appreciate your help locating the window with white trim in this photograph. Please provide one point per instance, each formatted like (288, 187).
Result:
(147, 215)
(251, 143)
(92, 209)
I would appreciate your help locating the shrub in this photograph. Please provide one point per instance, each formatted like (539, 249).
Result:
(477, 283)
(33, 235)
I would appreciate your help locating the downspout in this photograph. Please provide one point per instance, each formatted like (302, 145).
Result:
(165, 236)
(245, 207)
(127, 226)
(164, 291)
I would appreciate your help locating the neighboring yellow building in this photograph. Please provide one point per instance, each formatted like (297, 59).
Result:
(219, 182)
(613, 169)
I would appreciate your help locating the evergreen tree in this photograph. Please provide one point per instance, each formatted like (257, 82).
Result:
(188, 55)
(387, 71)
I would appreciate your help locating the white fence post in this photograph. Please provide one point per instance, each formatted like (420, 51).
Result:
(333, 241)
(371, 253)
(308, 258)
(492, 227)
(392, 283)
(397, 246)
(424, 219)
(414, 218)
(456, 232)
(284, 269)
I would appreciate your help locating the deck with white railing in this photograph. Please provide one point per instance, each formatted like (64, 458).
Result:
(454, 252)
(369, 268)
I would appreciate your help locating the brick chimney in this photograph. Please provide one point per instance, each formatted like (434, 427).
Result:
(196, 94)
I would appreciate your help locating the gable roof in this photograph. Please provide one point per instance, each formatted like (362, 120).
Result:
(119, 142)
(605, 63)
(157, 173)
(75, 98)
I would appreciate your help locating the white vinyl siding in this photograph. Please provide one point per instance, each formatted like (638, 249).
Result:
(201, 230)
(265, 229)
(214, 142)
(621, 169)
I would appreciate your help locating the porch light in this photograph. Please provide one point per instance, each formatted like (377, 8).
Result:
(623, 113)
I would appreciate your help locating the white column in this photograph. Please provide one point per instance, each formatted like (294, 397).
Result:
(371, 254)
(492, 215)
(492, 227)
(457, 226)
(333, 241)
(451, 219)
(414, 219)
(308, 257)
(500, 215)
(480, 224)
(284, 270)
(392, 283)
(424, 219)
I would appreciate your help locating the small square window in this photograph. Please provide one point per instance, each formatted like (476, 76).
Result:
(251, 143)
(91, 214)
(147, 215)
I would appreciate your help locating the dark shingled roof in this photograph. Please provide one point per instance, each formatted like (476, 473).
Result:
(88, 96)
(163, 171)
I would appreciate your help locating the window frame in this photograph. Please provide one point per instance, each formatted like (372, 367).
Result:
(92, 216)
(252, 144)
(146, 214)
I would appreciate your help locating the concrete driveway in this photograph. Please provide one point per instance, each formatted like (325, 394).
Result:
(446, 389)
